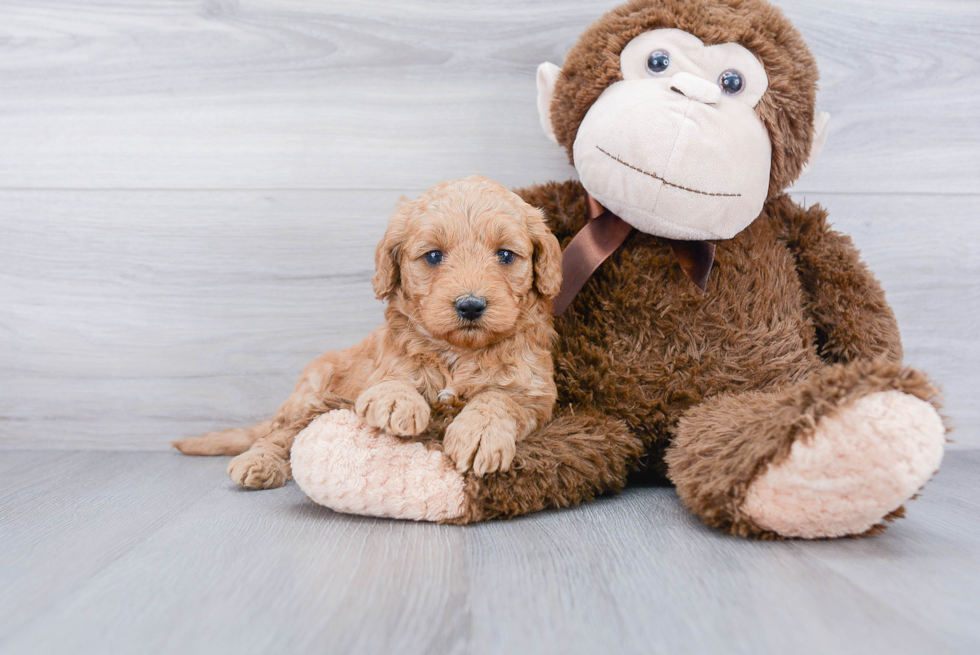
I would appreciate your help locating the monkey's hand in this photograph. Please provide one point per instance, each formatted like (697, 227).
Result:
(394, 407)
(483, 437)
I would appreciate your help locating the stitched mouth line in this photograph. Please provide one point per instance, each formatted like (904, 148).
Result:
(657, 177)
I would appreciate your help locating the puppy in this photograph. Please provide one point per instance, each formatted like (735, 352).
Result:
(469, 271)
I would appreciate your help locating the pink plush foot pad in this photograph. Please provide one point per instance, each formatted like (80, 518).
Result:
(860, 464)
(341, 463)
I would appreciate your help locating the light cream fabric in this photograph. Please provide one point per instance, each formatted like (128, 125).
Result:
(821, 128)
(343, 464)
(547, 76)
(669, 152)
(689, 55)
(695, 88)
(859, 465)
(672, 166)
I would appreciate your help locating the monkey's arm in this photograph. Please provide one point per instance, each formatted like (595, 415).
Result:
(565, 206)
(846, 303)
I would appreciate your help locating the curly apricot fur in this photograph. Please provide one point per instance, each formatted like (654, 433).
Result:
(499, 364)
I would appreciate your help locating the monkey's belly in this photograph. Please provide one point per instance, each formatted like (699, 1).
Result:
(652, 345)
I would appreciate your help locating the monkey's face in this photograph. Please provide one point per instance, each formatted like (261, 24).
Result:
(684, 117)
(675, 148)
(682, 139)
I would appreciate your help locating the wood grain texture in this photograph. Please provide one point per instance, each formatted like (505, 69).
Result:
(115, 552)
(370, 94)
(130, 319)
(66, 516)
(190, 195)
(135, 314)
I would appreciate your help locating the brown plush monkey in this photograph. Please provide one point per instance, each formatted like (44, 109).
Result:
(775, 398)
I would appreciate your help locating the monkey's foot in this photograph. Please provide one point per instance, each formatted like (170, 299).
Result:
(342, 463)
(859, 465)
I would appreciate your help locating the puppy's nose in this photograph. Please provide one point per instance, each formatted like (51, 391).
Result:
(471, 307)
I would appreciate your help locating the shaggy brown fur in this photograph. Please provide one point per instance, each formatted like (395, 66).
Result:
(574, 458)
(711, 387)
(642, 345)
(499, 363)
(708, 388)
(724, 443)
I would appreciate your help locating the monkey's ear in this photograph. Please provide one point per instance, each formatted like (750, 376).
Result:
(547, 254)
(386, 256)
(821, 127)
(547, 76)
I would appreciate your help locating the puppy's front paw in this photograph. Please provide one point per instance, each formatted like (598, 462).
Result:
(395, 408)
(258, 470)
(484, 440)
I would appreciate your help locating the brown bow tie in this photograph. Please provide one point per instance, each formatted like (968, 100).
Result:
(602, 236)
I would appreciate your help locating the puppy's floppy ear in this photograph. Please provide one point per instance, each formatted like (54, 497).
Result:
(547, 254)
(387, 256)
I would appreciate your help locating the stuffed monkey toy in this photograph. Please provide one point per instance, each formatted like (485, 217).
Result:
(710, 330)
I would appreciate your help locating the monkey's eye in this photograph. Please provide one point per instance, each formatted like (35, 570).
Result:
(658, 61)
(433, 257)
(731, 82)
(505, 257)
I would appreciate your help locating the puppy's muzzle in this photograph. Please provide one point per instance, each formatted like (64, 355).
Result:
(470, 307)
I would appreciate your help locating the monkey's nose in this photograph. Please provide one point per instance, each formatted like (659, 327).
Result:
(471, 307)
(695, 88)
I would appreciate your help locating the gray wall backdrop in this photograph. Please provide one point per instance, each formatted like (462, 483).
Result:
(190, 191)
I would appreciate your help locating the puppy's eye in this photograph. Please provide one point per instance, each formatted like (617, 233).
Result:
(505, 257)
(433, 257)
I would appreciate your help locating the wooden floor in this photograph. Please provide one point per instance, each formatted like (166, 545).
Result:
(153, 552)
(190, 196)
(191, 191)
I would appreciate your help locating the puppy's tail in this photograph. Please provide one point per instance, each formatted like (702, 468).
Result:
(226, 442)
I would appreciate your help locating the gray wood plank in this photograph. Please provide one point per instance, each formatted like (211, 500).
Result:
(234, 571)
(918, 558)
(640, 572)
(354, 94)
(129, 319)
(105, 299)
(924, 252)
(66, 516)
(254, 573)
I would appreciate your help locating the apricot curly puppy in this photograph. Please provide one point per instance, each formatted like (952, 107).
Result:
(469, 271)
